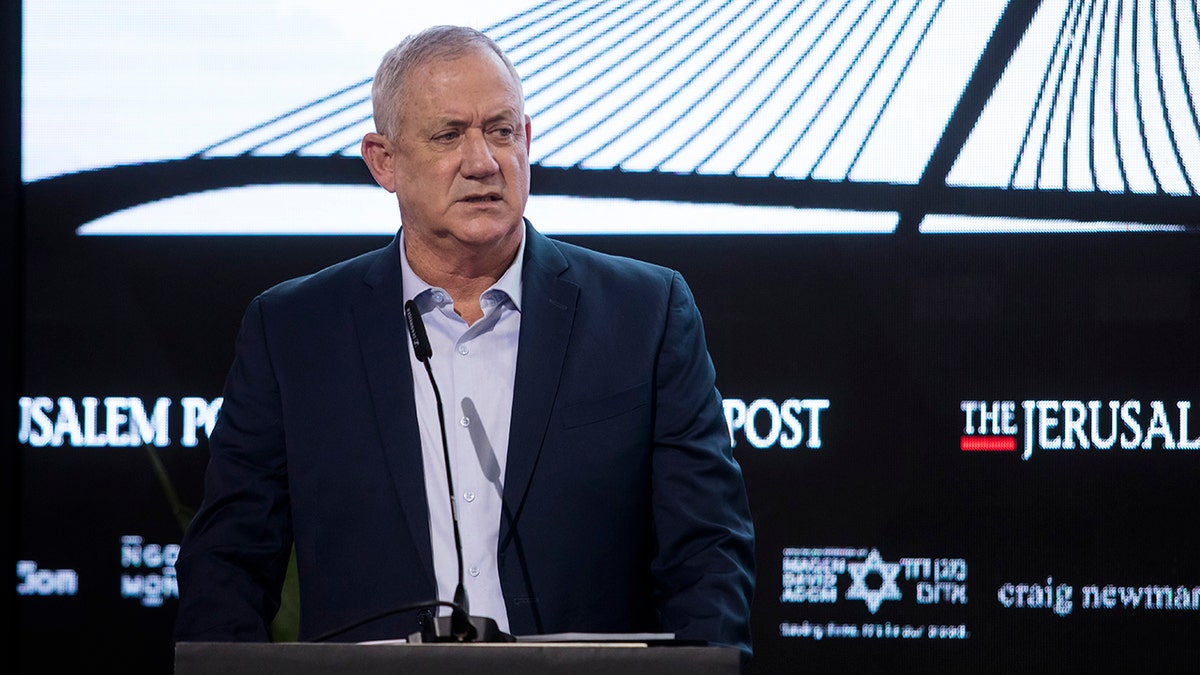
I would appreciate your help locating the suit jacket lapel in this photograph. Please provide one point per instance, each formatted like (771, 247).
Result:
(383, 338)
(547, 313)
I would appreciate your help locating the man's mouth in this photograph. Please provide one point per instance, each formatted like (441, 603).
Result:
(482, 199)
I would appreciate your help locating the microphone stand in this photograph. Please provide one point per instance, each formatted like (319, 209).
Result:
(460, 626)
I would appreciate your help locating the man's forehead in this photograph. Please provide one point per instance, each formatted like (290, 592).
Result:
(465, 108)
(448, 113)
(471, 87)
(479, 73)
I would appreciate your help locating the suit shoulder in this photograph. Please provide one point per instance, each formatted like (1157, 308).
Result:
(587, 263)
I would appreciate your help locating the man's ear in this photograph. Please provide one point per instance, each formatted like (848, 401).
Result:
(377, 153)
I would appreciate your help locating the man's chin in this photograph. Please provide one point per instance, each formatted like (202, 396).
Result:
(488, 231)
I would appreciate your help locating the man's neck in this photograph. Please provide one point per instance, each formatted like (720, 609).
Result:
(463, 273)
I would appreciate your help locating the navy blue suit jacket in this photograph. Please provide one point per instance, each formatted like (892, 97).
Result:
(624, 509)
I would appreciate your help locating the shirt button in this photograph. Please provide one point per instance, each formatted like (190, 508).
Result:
(469, 496)
(474, 571)
(466, 421)
(439, 297)
(464, 350)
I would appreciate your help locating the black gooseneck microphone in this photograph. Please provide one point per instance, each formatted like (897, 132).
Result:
(461, 626)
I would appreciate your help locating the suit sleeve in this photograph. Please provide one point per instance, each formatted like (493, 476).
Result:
(234, 554)
(704, 564)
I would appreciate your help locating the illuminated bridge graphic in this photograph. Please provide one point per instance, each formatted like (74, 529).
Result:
(1061, 110)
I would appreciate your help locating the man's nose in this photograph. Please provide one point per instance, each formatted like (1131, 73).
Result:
(477, 158)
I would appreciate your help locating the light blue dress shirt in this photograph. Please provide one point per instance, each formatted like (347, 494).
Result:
(475, 367)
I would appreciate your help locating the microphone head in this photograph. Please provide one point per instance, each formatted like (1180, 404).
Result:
(416, 332)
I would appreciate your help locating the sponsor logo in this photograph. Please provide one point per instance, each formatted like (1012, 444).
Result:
(827, 576)
(114, 421)
(39, 582)
(151, 571)
(818, 575)
(1057, 425)
(765, 423)
(1060, 598)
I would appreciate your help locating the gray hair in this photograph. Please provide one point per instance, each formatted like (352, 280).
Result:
(439, 43)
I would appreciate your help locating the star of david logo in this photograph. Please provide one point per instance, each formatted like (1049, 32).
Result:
(873, 596)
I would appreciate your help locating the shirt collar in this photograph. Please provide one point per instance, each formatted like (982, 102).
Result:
(509, 284)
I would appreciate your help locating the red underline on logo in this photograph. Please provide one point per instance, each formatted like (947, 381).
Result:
(988, 443)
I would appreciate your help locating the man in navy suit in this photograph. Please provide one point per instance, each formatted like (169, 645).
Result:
(593, 474)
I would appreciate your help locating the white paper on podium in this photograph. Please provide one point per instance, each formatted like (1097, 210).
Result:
(598, 637)
(561, 638)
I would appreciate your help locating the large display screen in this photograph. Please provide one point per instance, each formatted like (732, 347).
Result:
(945, 251)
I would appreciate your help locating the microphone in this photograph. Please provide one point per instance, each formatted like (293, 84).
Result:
(420, 339)
(461, 626)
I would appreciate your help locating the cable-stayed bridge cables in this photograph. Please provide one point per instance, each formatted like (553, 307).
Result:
(895, 83)
(290, 113)
(696, 24)
(1083, 43)
(842, 41)
(1051, 61)
(1094, 95)
(551, 28)
(724, 51)
(751, 82)
(809, 49)
(1116, 110)
(1185, 76)
(1137, 100)
(833, 91)
(301, 126)
(581, 53)
(522, 20)
(1159, 77)
(1067, 43)
(617, 50)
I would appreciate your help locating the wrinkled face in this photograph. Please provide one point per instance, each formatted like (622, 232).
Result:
(461, 155)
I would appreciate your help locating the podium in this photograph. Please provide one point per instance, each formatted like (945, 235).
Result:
(520, 658)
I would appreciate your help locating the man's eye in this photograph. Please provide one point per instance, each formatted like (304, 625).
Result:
(446, 137)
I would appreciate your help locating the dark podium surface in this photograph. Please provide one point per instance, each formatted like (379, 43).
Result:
(583, 658)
